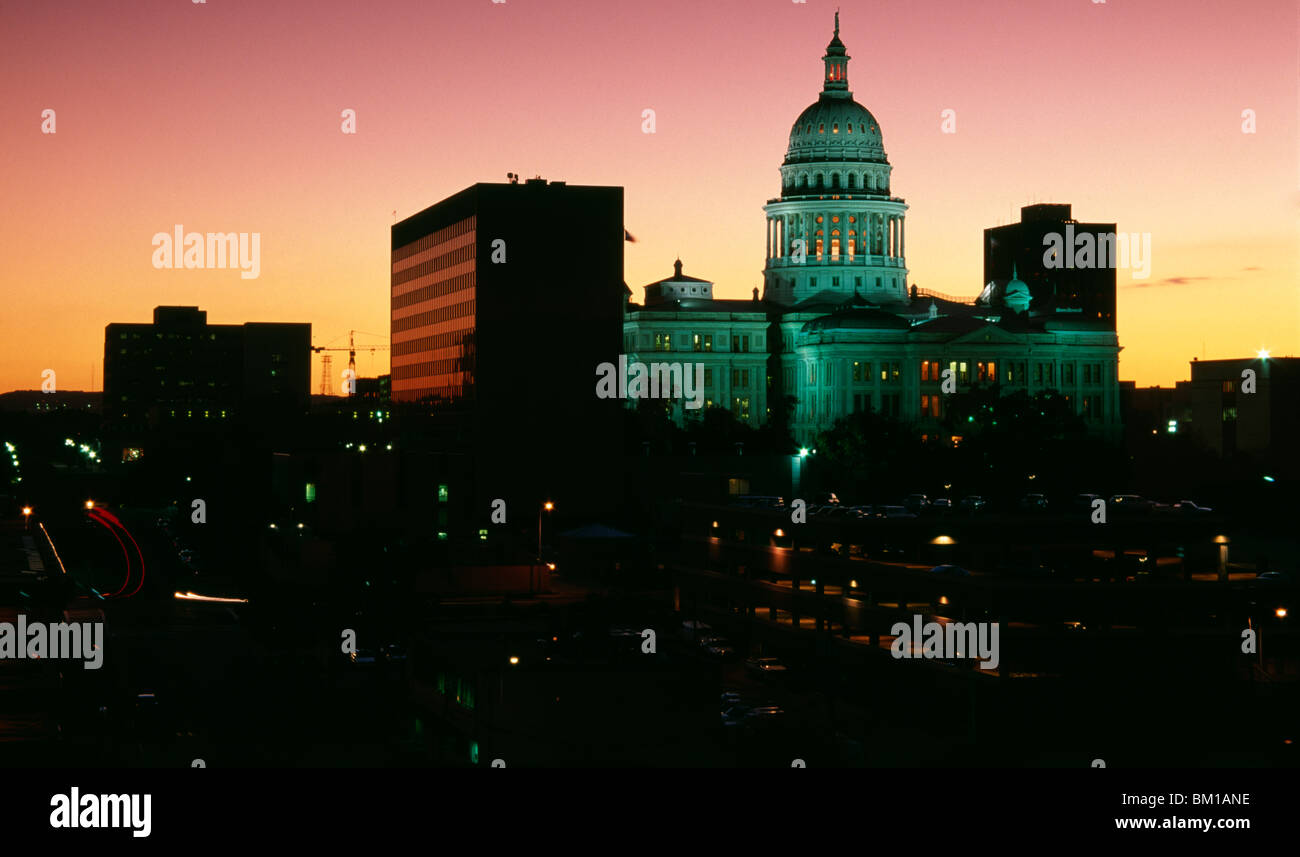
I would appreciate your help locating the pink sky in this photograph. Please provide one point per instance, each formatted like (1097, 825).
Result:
(225, 116)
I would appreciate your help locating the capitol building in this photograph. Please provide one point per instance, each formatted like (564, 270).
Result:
(839, 328)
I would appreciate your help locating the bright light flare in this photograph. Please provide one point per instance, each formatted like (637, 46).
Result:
(190, 596)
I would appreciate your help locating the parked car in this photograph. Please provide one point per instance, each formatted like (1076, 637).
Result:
(916, 503)
(1084, 501)
(1129, 503)
(764, 666)
(721, 651)
(895, 512)
(691, 629)
(733, 715)
(760, 501)
(763, 717)
(1273, 577)
(1187, 507)
(941, 504)
(950, 570)
(973, 503)
(1033, 503)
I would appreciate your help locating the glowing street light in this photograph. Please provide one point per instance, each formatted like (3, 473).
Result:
(27, 514)
(1280, 612)
(90, 504)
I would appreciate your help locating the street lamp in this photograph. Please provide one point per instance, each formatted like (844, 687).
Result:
(27, 515)
(548, 506)
(90, 504)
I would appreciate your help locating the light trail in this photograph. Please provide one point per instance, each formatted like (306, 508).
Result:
(190, 596)
(52, 547)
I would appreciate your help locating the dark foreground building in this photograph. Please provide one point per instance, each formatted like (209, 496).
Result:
(182, 370)
(505, 299)
(1017, 250)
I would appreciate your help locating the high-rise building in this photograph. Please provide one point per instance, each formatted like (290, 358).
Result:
(180, 369)
(1028, 251)
(505, 299)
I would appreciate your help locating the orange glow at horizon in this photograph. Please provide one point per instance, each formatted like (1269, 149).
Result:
(226, 117)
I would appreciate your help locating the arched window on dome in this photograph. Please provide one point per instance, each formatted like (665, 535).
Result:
(850, 127)
(862, 128)
(821, 128)
(835, 128)
(870, 178)
(808, 130)
(835, 244)
(835, 181)
(853, 180)
(821, 181)
(819, 245)
(851, 243)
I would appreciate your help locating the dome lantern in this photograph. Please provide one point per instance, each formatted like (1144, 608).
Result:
(836, 84)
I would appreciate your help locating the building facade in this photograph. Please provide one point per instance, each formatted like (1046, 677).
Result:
(182, 370)
(505, 298)
(1019, 250)
(1236, 408)
(838, 328)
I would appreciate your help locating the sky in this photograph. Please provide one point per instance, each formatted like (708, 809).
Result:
(226, 116)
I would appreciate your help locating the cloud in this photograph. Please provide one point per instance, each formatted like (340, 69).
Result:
(1252, 268)
(1170, 281)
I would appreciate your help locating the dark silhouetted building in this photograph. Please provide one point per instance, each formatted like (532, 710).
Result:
(1017, 251)
(505, 300)
(180, 369)
(1217, 409)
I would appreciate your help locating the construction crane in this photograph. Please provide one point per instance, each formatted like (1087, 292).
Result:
(352, 358)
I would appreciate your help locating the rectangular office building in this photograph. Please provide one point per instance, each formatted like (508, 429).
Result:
(505, 299)
(1060, 288)
(182, 370)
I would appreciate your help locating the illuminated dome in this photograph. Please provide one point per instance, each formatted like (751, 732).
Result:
(835, 127)
(835, 130)
(837, 226)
